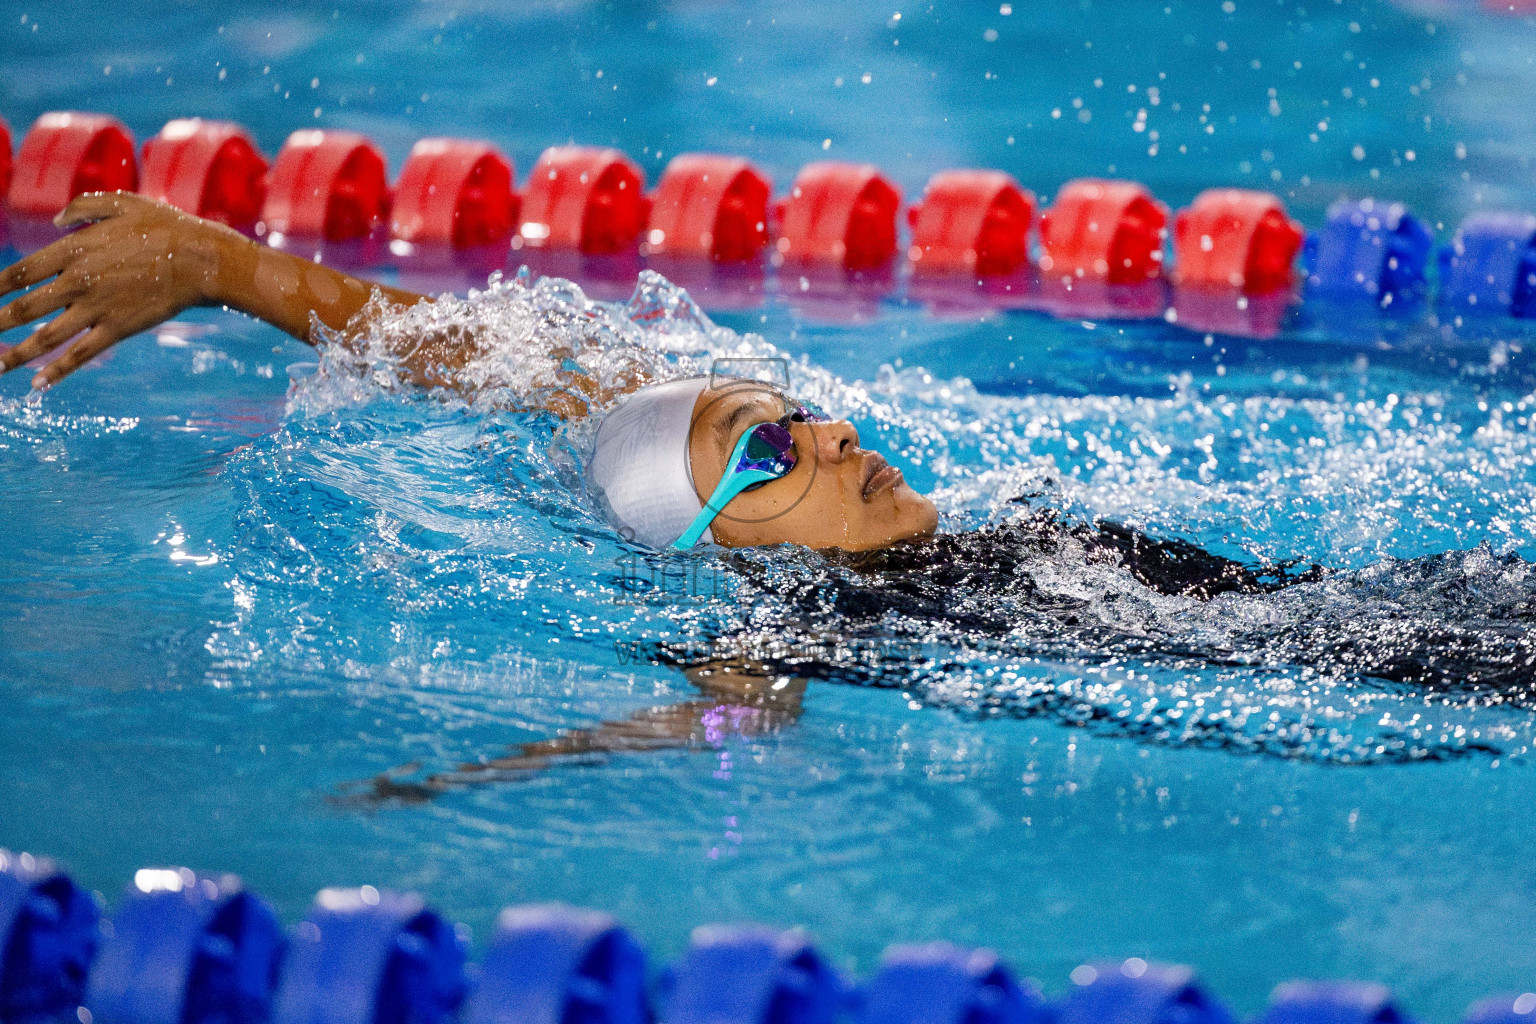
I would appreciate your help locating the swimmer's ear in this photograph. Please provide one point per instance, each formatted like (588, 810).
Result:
(94, 206)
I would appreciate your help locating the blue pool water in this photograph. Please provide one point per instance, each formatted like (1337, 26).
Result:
(224, 596)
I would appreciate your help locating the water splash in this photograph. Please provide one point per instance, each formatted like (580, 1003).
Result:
(522, 344)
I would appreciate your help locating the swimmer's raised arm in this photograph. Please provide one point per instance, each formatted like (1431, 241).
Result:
(138, 263)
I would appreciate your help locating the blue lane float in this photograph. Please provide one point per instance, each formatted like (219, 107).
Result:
(1369, 248)
(1344, 1002)
(746, 974)
(185, 948)
(365, 956)
(552, 964)
(49, 929)
(1503, 1009)
(1490, 266)
(1136, 992)
(937, 983)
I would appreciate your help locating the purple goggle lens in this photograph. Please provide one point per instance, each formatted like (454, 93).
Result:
(769, 449)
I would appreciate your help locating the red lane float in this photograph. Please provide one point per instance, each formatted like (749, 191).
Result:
(1111, 231)
(839, 213)
(454, 192)
(5, 157)
(67, 154)
(711, 207)
(208, 168)
(971, 222)
(1235, 238)
(327, 184)
(584, 198)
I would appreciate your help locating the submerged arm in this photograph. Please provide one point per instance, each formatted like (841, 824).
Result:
(139, 263)
(736, 698)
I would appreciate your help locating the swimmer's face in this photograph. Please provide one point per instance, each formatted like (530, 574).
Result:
(839, 495)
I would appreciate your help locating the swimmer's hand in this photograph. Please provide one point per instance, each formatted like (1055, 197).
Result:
(138, 263)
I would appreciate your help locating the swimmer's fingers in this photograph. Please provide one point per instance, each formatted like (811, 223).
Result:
(46, 338)
(39, 266)
(38, 303)
(94, 206)
(75, 249)
(87, 347)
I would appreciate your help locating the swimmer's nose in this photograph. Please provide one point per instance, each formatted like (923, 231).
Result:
(833, 442)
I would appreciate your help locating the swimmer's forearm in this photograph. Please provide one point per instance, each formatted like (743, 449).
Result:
(285, 290)
(738, 698)
(135, 263)
(686, 725)
(670, 727)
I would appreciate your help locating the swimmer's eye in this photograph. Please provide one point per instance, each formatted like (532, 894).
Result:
(804, 412)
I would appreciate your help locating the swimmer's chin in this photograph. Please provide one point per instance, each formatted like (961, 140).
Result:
(926, 522)
(919, 522)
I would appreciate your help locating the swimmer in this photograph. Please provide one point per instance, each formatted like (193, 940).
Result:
(736, 463)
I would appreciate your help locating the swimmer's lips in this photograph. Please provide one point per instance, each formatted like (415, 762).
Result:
(878, 475)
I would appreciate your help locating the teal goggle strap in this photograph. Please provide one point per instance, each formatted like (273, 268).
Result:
(764, 453)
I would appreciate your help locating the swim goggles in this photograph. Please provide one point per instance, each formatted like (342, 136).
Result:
(764, 453)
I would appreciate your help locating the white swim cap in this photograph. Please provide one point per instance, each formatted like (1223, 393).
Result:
(640, 471)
